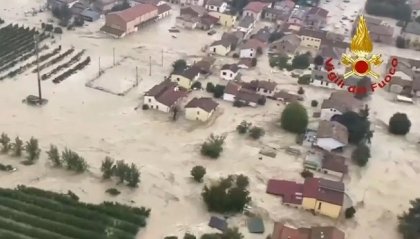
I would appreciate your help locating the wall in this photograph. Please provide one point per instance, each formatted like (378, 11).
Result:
(328, 209)
(248, 53)
(333, 173)
(328, 143)
(219, 50)
(224, 19)
(324, 84)
(197, 114)
(229, 75)
(182, 81)
(310, 42)
(327, 114)
(152, 103)
(114, 21)
(308, 203)
(229, 97)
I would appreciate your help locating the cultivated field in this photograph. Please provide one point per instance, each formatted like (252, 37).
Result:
(96, 124)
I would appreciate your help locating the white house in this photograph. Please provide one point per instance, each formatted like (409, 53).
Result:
(331, 135)
(319, 78)
(164, 96)
(229, 72)
(246, 24)
(251, 49)
(216, 5)
(264, 88)
(231, 90)
(339, 103)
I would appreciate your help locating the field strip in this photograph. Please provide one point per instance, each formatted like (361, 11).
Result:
(28, 230)
(4, 233)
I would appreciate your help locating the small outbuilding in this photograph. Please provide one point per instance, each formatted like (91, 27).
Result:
(218, 223)
(255, 225)
(90, 15)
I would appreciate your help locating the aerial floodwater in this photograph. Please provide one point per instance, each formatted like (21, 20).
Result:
(184, 118)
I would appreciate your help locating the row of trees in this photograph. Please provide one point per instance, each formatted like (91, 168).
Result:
(123, 171)
(17, 147)
(68, 159)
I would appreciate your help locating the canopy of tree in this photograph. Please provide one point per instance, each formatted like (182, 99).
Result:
(294, 118)
(397, 9)
(357, 126)
(301, 61)
(399, 124)
(361, 155)
(228, 195)
(409, 222)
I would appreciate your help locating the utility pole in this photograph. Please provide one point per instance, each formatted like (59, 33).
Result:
(150, 65)
(162, 58)
(137, 76)
(37, 67)
(99, 64)
(113, 56)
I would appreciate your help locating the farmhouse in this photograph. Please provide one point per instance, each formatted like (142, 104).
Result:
(322, 196)
(412, 33)
(230, 72)
(312, 38)
(255, 9)
(251, 48)
(264, 88)
(248, 97)
(331, 135)
(339, 103)
(319, 78)
(234, 38)
(316, 18)
(200, 109)
(164, 96)
(152, 2)
(128, 21)
(187, 77)
(221, 47)
(283, 231)
(216, 5)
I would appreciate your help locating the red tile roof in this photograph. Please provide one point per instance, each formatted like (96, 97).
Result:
(207, 104)
(334, 162)
(132, 13)
(282, 231)
(290, 191)
(167, 92)
(253, 43)
(324, 190)
(256, 7)
(232, 88)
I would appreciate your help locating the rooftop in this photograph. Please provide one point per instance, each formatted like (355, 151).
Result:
(334, 130)
(256, 7)
(204, 103)
(132, 13)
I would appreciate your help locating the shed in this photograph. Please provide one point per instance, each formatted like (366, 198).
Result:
(255, 225)
(90, 15)
(218, 223)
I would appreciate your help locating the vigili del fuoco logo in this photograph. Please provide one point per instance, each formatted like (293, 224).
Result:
(361, 62)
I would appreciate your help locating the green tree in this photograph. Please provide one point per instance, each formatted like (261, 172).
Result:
(409, 222)
(179, 65)
(314, 103)
(400, 42)
(304, 80)
(294, 118)
(4, 140)
(17, 147)
(361, 155)
(242, 181)
(356, 125)
(301, 91)
(189, 236)
(213, 146)
(73, 161)
(196, 85)
(54, 156)
(106, 167)
(198, 172)
(232, 233)
(399, 124)
(210, 87)
(121, 170)
(301, 61)
(256, 132)
(349, 213)
(133, 176)
(318, 61)
(218, 91)
(32, 149)
(243, 127)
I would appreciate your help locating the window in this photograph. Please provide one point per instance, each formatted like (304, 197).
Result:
(157, 107)
(231, 75)
(319, 206)
(198, 112)
(214, 49)
(150, 100)
(177, 79)
(265, 91)
(224, 73)
(250, 55)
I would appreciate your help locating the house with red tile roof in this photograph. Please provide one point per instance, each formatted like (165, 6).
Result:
(321, 196)
(331, 135)
(234, 91)
(165, 96)
(284, 231)
(200, 109)
(129, 20)
(255, 9)
(330, 164)
(251, 48)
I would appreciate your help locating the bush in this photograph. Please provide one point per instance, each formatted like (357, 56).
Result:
(306, 174)
(107, 167)
(314, 103)
(349, 213)
(145, 107)
(361, 155)
(254, 62)
(228, 195)
(318, 60)
(4, 141)
(294, 118)
(301, 91)
(170, 237)
(17, 147)
(210, 87)
(399, 124)
(238, 103)
(58, 30)
(189, 236)
(218, 91)
(235, 55)
(301, 61)
(400, 42)
(32, 149)
(179, 65)
(409, 225)
(113, 191)
(196, 85)
(243, 127)
(256, 132)
(262, 100)
(304, 80)
(73, 161)
(198, 172)
(213, 146)
(54, 156)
